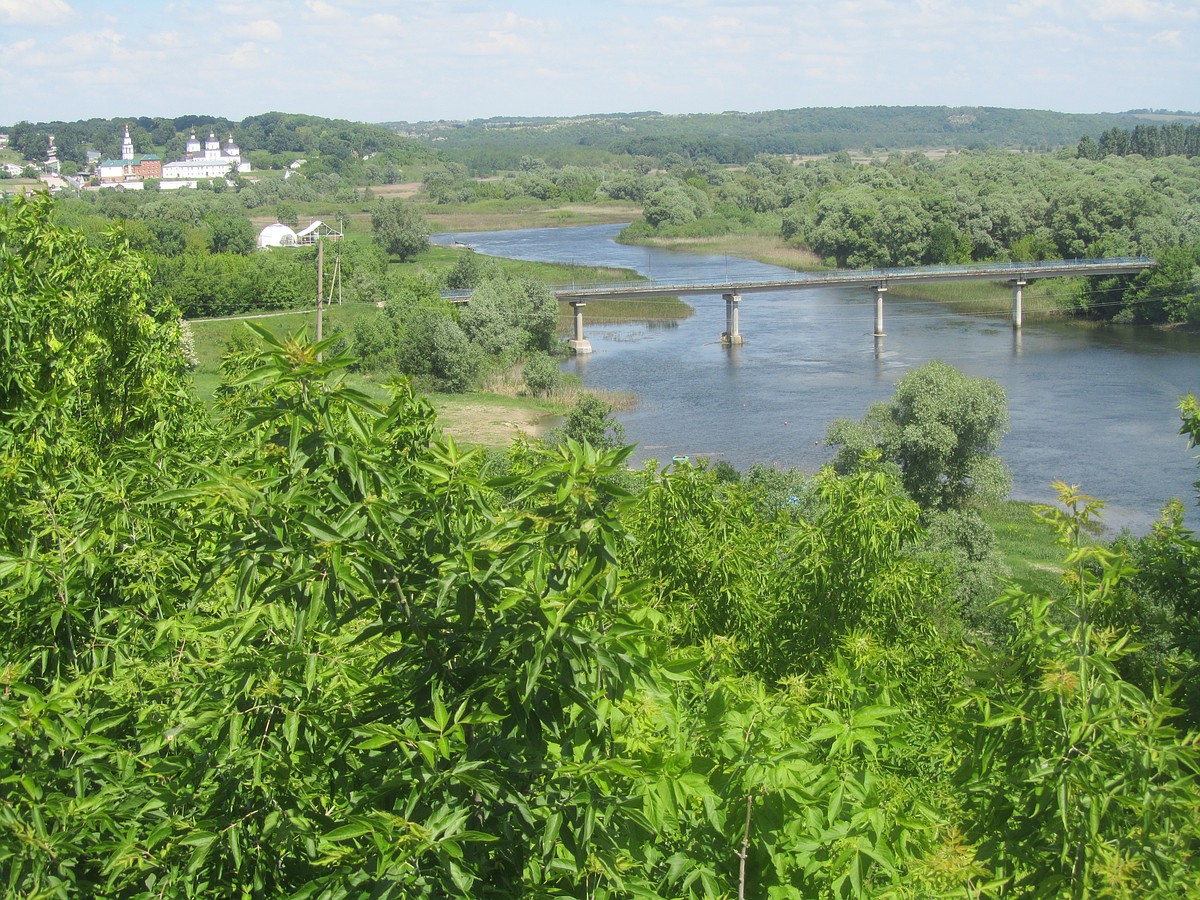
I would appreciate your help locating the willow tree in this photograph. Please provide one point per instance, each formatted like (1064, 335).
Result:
(941, 430)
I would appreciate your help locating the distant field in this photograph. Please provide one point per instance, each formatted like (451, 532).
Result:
(501, 215)
(212, 336)
(1043, 299)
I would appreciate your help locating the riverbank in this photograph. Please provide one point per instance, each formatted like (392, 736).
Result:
(507, 215)
(758, 247)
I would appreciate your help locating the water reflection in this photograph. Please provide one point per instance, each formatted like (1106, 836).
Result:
(733, 354)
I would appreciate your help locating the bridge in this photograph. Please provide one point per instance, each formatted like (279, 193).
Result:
(1018, 274)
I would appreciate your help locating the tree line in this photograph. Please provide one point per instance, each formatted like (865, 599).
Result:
(910, 210)
(1149, 141)
(737, 137)
(200, 251)
(905, 209)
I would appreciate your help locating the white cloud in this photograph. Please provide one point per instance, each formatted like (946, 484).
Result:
(674, 23)
(1138, 10)
(1041, 8)
(1061, 33)
(248, 56)
(322, 10)
(499, 42)
(104, 43)
(258, 30)
(1169, 38)
(382, 22)
(35, 12)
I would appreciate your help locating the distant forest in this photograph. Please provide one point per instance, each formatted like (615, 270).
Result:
(736, 138)
(269, 140)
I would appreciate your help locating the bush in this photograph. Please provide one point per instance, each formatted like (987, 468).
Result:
(468, 272)
(591, 421)
(541, 374)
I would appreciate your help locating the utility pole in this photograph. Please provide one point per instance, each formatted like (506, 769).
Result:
(338, 268)
(337, 276)
(320, 287)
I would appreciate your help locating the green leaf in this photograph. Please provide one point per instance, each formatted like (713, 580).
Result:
(348, 832)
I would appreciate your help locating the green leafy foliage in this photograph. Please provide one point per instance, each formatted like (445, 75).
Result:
(85, 361)
(1077, 783)
(541, 374)
(312, 647)
(399, 228)
(941, 431)
(591, 421)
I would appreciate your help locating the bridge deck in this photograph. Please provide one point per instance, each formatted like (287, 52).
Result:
(1025, 271)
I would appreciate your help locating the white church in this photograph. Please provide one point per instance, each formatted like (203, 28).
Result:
(211, 161)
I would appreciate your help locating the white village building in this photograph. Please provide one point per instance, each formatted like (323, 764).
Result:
(213, 161)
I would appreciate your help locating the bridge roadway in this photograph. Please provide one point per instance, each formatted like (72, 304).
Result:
(1017, 273)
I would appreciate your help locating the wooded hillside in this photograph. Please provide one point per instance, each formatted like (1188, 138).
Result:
(736, 137)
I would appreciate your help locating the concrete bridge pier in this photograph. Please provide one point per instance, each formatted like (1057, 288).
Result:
(880, 290)
(732, 335)
(579, 343)
(1017, 314)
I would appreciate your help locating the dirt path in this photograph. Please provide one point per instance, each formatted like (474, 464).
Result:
(492, 424)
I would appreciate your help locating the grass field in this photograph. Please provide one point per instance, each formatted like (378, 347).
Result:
(1028, 546)
(1043, 299)
(212, 336)
(500, 215)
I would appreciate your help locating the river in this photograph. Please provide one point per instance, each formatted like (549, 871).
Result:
(1094, 406)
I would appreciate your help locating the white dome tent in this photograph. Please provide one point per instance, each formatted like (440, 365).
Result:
(276, 235)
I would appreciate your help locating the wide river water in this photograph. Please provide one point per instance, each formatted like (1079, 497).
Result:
(1094, 406)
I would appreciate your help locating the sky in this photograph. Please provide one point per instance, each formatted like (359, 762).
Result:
(396, 60)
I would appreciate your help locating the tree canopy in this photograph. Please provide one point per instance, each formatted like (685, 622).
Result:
(399, 228)
(941, 430)
(309, 646)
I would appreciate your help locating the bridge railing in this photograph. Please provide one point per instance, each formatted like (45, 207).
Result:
(984, 268)
(981, 270)
(882, 273)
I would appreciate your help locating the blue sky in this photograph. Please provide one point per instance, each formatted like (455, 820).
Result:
(459, 59)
